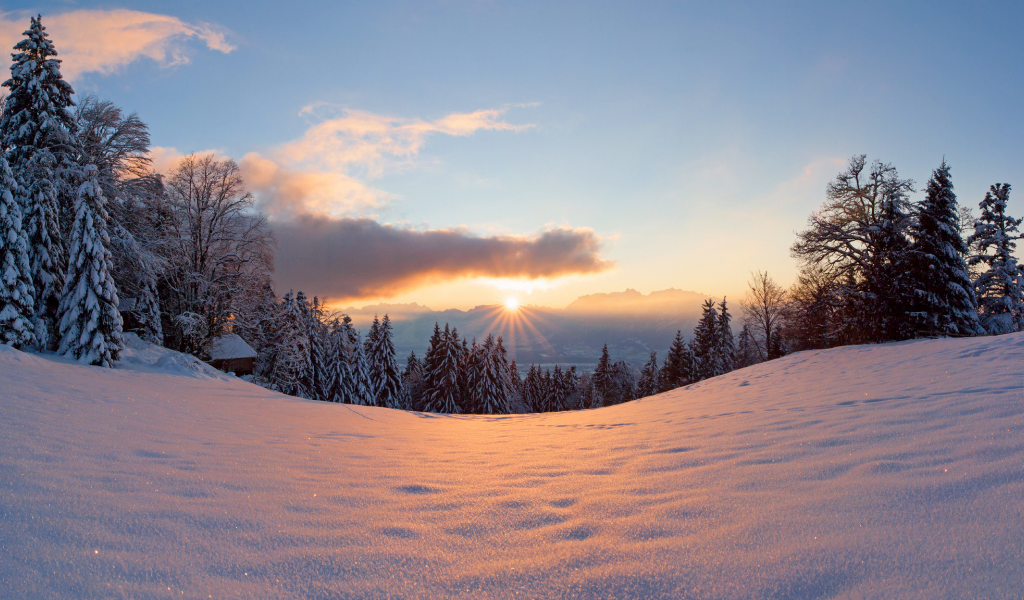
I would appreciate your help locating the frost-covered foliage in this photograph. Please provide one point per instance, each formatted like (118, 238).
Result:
(442, 365)
(944, 301)
(998, 285)
(90, 324)
(385, 377)
(17, 302)
(220, 249)
(38, 134)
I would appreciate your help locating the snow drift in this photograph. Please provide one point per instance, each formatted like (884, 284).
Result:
(859, 472)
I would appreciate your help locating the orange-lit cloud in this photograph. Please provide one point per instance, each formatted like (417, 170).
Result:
(104, 41)
(284, 192)
(358, 258)
(325, 171)
(366, 141)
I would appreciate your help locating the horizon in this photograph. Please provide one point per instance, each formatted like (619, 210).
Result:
(548, 152)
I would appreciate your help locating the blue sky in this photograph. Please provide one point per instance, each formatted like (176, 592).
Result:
(692, 139)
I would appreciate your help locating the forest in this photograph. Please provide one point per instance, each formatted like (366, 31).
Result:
(94, 243)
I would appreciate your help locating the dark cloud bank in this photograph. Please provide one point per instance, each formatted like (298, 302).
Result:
(360, 258)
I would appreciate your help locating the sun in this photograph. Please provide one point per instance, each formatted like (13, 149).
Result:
(511, 304)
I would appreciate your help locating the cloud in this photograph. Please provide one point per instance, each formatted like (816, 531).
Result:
(366, 141)
(105, 41)
(358, 258)
(284, 193)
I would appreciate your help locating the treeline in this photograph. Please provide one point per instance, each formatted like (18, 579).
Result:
(322, 357)
(876, 267)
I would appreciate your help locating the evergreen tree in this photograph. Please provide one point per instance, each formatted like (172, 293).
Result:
(319, 378)
(705, 343)
(568, 390)
(602, 380)
(1000, 287)
(493, 389)
(413, 382)
(726, 346)
(944, 296)
(885, 296)
(372, 337)
(442, 376)
(385, 378)
(17, 301)
(746, 350)
(648, 384)
(38, 133)
(360, 388)
(678, 369)
(90, 324)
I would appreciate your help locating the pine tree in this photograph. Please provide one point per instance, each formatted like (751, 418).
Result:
(443, 370)
(493, 390)
(726, 346)
(360, 387)
(413, 382)
(39, 134)
(1000, 287)
(679, 369)
(17, 301)
(90, 324)
(602, 379)
(705, 343)
(746, 349)
(384, 374)
(944, 296)
(885, 296)
(648, 384)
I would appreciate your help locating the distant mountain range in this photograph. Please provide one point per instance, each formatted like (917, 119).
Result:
(631, 323)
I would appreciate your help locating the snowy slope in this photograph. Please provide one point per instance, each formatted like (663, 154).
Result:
(861, 472)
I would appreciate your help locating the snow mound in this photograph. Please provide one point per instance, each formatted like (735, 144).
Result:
(140, 355)
(892, 471)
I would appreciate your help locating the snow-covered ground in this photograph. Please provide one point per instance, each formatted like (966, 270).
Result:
(892, 471)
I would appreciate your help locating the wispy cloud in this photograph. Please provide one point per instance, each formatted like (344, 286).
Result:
(358, 258)
(105, 41)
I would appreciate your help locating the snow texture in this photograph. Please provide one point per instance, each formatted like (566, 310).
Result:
(890, 471)
(230, 346)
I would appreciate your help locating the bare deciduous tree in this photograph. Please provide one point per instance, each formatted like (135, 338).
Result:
(224, 249)
(763, 309)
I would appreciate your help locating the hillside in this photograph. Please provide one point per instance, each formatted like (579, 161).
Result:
(860, 472)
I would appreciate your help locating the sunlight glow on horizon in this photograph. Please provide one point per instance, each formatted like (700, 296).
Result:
(511, 304)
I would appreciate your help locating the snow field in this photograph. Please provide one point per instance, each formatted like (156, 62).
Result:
(860, 472)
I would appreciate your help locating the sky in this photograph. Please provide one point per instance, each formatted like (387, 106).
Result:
(457, 153)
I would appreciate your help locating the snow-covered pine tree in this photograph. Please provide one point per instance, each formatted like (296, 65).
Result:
(1000, 287)
(648, 383)
(38, 132)
(885, 295)
(533, 393)
(413, 382)
(492, 389)
(384, 374)
(291, 350)
(726, 345)
(372, 336)
(360, 387)
(90, 324)
(568, 390)
(556, 392)
(17, 301)
(443, 368)
(705, 343)
(602, 379)
(319, 380)
(944, 296)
